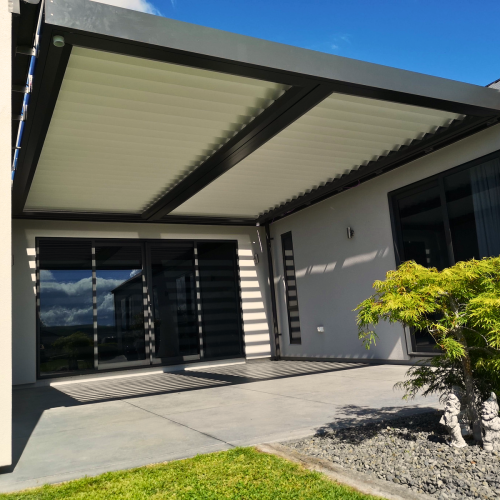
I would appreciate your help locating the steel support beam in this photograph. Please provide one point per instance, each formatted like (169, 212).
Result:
(284, 111)
(131, 218)
(46, 85)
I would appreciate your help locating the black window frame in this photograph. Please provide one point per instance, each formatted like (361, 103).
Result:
(397, 234)
(294, 341)
(143, 242)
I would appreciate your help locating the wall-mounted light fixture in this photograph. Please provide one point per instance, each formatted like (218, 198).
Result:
(321, 329)
(350, 232)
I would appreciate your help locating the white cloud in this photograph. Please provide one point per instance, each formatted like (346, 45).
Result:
(140, 5)
(63, 316)
(71, 289)
(46, 275)
(79, 288)
(107, 304)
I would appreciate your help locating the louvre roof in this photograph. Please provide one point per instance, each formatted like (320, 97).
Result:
(145, 119)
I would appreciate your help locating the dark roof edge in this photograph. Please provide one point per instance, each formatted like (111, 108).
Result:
(136, 27)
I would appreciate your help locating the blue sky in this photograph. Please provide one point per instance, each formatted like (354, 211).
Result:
(452, 39)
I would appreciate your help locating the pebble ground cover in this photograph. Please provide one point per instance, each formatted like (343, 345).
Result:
(411, 451)
(238, 474)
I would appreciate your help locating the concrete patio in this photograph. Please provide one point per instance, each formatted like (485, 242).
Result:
(69, 429)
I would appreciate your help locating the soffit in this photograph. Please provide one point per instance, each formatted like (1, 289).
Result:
(125, 130)
(337, 136)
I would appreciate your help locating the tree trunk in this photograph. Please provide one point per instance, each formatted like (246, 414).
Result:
(470, 396)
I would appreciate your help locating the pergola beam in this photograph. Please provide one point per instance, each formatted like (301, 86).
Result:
(47, 81)
(284, 111)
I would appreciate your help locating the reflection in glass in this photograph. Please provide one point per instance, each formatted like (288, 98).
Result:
(120, 305)
(423, 228)
(174, 301)
(485, 180)
(424, 242)
(219, 299)
(65, 314)
(461, 215)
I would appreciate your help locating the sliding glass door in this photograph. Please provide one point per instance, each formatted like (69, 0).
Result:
(175, 333)
(65, 313)
(220, 299)
(121, 331)
(108, 304)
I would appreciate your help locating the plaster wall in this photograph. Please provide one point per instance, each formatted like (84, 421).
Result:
(5, 236)
(254, 278)
(334, 273)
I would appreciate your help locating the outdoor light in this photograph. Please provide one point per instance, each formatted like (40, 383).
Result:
(58, 41)
(350, 232)
(321, 329)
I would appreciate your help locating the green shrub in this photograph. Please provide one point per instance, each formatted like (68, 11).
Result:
(460, 307)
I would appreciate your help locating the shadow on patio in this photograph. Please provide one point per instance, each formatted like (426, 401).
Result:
(30, 403)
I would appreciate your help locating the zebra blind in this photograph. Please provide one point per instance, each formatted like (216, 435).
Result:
(292, 300)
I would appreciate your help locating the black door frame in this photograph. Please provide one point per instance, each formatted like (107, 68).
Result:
(145, 244)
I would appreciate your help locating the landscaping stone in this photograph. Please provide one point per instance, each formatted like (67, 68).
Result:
(411, 451)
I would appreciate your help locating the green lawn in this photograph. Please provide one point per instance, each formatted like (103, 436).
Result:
(242, 473)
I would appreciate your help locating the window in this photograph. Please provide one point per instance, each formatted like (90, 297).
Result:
(291, 297)
(451, 217)
(108, 304)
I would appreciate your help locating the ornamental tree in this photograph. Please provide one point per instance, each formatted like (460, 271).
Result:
(460, 307)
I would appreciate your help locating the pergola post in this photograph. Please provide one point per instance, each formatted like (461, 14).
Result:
(5, 236)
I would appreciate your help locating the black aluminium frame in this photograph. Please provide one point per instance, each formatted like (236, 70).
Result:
(306, 91)
(143, 242)
(437, 179)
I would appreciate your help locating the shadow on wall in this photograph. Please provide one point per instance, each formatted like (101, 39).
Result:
(328, 292)
(255, 321)
(354, 260)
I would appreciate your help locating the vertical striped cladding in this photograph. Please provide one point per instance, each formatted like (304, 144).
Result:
(125, 130)
(337, 136)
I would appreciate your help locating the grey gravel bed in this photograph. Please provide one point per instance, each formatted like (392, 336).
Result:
(411, 451)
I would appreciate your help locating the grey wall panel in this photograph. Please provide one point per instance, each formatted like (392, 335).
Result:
(334, 274)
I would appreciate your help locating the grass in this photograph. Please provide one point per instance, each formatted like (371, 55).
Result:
(241, 473)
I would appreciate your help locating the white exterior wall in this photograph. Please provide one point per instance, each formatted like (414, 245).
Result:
(254, 278)
(5, 236)
(334, 274)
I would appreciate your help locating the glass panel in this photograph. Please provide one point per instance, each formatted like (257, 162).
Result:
(220, 299)
(120, 306)
(423, 228)
(174, 300)
(424, 241)
(485, 180)
(461, 215)
(422, 340)
(66, 317)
